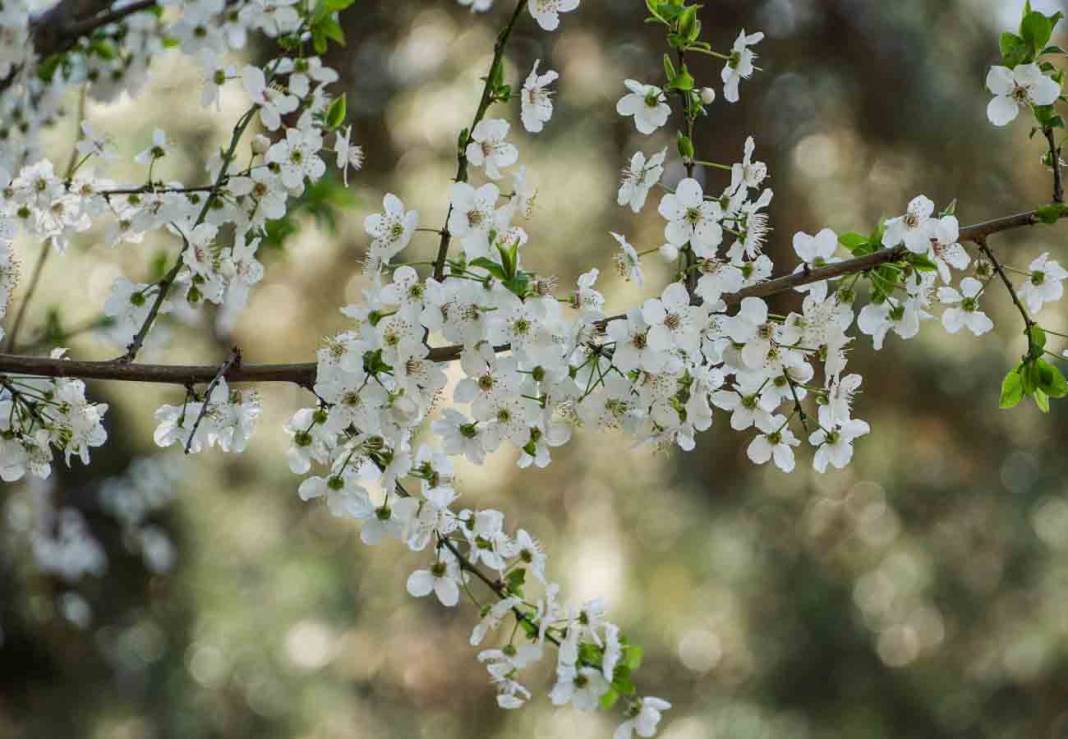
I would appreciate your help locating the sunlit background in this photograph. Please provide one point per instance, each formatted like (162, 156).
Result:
(923, 592)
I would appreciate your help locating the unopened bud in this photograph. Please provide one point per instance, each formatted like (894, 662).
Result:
(669, 252)
(260, 144)
(708, 95)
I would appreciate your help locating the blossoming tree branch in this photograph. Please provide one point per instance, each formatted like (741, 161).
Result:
(537, 360)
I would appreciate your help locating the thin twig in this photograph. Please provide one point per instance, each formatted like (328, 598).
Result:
(1055, 163)
(168, 280)
(801, 415)
(234, 360)
(689, 258)
(1029, 322)
(461, 155)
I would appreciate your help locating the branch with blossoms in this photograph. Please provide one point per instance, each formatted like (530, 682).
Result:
(537, 362)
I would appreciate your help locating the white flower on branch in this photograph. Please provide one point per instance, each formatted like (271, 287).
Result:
(392, 230)
(963, 310)
(489, 149)
(739, 65)
(639, 177)
(647, 104)
(547, 12)
(1044, 284)
(1026, 84)
(691, 219)
(536, 100)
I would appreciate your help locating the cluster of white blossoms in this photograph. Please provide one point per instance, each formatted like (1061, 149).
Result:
(40, 415)
(223, 417)
(538, 362)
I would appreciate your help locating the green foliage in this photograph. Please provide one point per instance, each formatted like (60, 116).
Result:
(323, 200)
(857, 244)
(324, 26)
(515, 581)
(685, 146)
(921, 262)
(1050, 214)
(1032, 41)
(336, 113)
(1034, 377)
(498, 90)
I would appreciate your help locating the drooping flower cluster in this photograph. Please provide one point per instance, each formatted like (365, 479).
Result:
(224, 417)
(40, 415)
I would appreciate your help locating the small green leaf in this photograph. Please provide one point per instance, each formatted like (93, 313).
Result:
(1050, 214)
(1012, 390)
(922, 262)
(856, 243)
(490, 266)
(632, 656)
(1036, 29)
(609, 698)
(1014, 50)
(685, 146)
(1041, 400)
(1037, 340)
(669, 68)
(682, 81)
(687, 21)
(335, 114)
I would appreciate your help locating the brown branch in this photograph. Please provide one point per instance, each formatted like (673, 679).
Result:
(1055, 164)
(304, 374)
(234, 360)
(1029, 322)
(59, 28)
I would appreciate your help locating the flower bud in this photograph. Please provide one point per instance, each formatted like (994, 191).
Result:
(708, 95)
(669, 252)
(260, 144)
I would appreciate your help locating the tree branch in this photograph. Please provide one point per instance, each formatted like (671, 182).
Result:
(1055, 164)
(304, 374)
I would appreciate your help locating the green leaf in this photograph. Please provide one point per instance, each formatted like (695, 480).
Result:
(490, 266)
(46, 70)
(515, 579)
(1051, 380)
(103, 49)
(1014, 50)
(632, 656)
(922, 262)
(687, 21)
(609, 699)
(685, 146)
(1041, 400)
(1036, 340)
(1036, 29)
(682, 81)
(1050, 214)
(1012, 390)
(856, 243)
(669, 68)
(335, 114)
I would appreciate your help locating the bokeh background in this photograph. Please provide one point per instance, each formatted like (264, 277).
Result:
(923, 592)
